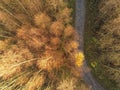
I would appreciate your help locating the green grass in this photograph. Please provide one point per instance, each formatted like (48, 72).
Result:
(91, 45)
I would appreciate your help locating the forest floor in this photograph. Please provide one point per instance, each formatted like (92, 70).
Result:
(79, 24)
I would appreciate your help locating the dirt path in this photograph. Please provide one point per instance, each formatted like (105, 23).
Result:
(79, 24)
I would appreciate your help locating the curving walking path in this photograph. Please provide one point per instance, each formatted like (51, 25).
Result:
(79, 24)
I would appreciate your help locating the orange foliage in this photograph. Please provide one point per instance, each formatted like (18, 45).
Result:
(53, 60)
(32, 37)
(6, 20)
(35, 82)
(69, 31)
(71, 45)
(64, 15)
(42, 20)
(55, 41)
(40, 42)
(57, 28)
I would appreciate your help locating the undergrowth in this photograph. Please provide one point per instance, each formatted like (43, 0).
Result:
(93, 52)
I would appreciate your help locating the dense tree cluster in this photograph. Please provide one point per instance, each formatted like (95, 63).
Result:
(38, 46)
(103, 51)
(109, 37)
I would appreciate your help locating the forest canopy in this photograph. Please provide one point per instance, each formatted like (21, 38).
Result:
(39, 46)
(103, 51)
